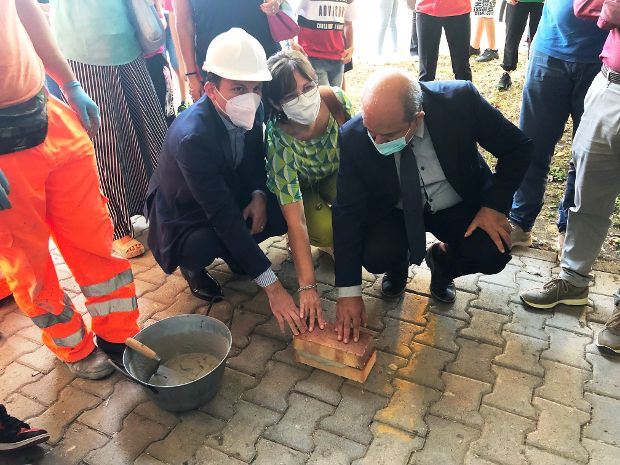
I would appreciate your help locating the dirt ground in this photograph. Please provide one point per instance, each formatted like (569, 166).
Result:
(486, 76)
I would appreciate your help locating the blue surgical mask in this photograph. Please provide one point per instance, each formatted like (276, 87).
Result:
(393, 146)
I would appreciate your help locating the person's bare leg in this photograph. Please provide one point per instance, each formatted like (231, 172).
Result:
(181, 68)
(489, 25)
(477, 37)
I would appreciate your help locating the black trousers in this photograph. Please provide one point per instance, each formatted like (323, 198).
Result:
(201, 245)
(160, 73)
(386, 247)
(516, 20)
(458, 33)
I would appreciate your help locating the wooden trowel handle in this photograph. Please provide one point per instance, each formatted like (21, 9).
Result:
(144, 350)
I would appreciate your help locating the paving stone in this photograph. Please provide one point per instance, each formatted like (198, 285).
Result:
(446, 444)
(605, 376)
(604, 424)
(14, 376)
(397, 336)
(380, 379)
(272, 453)
(528, 322)
(207, 455)
(567, 348)
(457, 310)
(376, 310)
(234, 384)
(544, 255)
(440, 332)
(253, 359)
(78, 441)
(541, 457)
(494, 298)
(14, 322)
(421, 281)
(275, 385)
(354, 414)
(33, 333)
(601, 453)
(287, 355)
(299, 422)
(153, 275)
(101, 388)
(22, 407)
(485, 326)
(605, 283)
(411, 308)
(71, 403)
(108, 416)
(47, 387)
(503, 437)
(238, 437)
(243, 325)
(537, 269)
(146, 459)
(13, 348)
(258, 304)
(591, 347)
(184, 440)
(154, 413)
(168, 293)
(603, 307)
(142, 288)
(507, 277)
(322, 385)
(271, 329)
(474, 360)
(522, 353)
(390, 446)
(460, 401)
(413, 399)
(570, 318)
(559, 430)
(128, 444)
(426, 365)
(334, 450)
(468, 283)
(513, 392)
(563, 384)
(42, 360)
(184, 304)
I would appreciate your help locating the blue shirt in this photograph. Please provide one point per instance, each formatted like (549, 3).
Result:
(565, 37)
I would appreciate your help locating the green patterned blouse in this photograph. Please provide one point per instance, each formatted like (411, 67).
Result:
(292, 163)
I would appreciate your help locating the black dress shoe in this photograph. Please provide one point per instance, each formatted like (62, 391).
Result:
(394, 282)
(442, 288)
(113, 350)
(202, 284)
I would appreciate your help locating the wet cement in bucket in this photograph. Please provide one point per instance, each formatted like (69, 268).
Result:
(186, 368)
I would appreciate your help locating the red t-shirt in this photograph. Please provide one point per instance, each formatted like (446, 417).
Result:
(443, 7)
(168, 5)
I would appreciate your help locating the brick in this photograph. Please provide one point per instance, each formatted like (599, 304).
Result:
(397, 336)
(522, 353)
(563, 385)
(183, 304)
(601, 453)
(567, 348)
(426, 365)
(604, 425)
(237, 439)
(413, 399)
(322, 386)
(102, 388)
(299, 422)
(390, 446)
(605, 283)
(58, 416)
(234, 384)
(570, 318)
(507, 277)
(411, 308)
(275, 385)
(78, 441)
(513, 392)
(184, 440)
(354, 414)
(457, 310)
(494, 298)
(253, 359)
(14, 322)
(485, 327)
(334, 450)
(460, 401)
(108, 416)
(440, 332)
(603, 307)
(605, 376)
(541, 457)
(380, 379)
(287, 355)
(503, 437)
(207, 455)
(128, 444)
(243, 325)
(447, 443)
(528, 322)
(474, 360)
(559, 430)
(22, 407)
(272, 453)
(13, 348)
(42, 360)
(15, 376)
(47, 387)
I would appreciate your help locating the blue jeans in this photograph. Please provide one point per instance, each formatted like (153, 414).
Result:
(329, 72)
(554, 90)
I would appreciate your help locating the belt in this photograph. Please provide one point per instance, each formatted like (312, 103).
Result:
(610, 75)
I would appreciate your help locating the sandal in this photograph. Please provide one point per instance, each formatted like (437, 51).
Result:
(128, 249)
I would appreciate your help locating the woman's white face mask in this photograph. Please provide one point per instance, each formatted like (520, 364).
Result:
(305, 108)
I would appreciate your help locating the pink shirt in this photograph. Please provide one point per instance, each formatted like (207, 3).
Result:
(443, 7)
(591, 9)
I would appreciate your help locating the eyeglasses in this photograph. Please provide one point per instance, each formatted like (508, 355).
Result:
(309, 90)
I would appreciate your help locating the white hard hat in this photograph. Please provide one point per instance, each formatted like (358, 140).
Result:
(237, 55)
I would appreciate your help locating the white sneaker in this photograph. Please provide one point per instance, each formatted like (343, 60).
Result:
(519, 237)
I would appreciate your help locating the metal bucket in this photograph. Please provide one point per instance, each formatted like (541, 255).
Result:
(177, 335)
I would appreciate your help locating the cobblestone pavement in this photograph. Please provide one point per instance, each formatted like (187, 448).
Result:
(480, 382)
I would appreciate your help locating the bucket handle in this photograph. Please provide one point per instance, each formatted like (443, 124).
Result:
(124, 372)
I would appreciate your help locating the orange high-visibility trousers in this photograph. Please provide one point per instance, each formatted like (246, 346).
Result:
(4, 288)
(55, 191)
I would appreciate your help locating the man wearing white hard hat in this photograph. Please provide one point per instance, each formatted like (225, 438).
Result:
(207, 198)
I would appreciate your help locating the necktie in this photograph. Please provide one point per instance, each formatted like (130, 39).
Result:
(412, 205)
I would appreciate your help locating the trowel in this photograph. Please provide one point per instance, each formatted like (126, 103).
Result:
(160, 375)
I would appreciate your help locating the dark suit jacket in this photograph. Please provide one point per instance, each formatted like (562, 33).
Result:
(458, 118)
(196, 185)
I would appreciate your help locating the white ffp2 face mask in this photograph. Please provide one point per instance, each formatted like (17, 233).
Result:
(242, 109)
(304, 109)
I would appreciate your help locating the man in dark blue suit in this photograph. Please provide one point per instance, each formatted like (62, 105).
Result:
(410, 164)
(208, 198)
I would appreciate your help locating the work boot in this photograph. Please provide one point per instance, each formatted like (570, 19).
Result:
(505, 82)
(394, 282)
(95, 366)
(15, 434)
(520, 237)
(488, 55)
(202, 284)
(442, 288)
(556, 291)
(609, 337)
(112, 349)
(474, 52)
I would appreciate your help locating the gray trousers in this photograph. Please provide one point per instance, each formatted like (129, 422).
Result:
(596, 154)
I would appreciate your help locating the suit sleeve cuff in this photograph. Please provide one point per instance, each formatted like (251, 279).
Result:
(350, 291)
(266, 278)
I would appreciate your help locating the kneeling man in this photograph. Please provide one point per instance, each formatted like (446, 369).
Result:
(409, 163)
